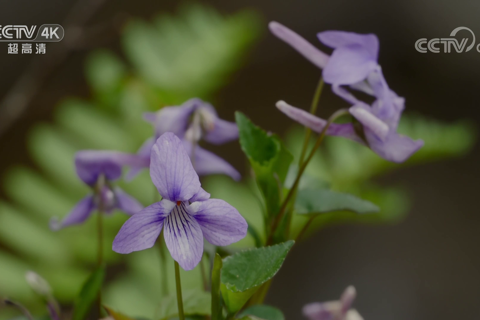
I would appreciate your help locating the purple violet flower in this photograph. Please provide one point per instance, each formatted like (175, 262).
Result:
(354, 63)
(186, 212)
(193, 121)
(97, 169)
(334, 310)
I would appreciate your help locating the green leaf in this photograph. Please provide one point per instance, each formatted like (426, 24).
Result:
(195, 302)
(234, 301)
(88, 294)
(251, 268)
(244, 272)
(394, 204)
(269, 159)
(316, 201)
(216, 301)
(263, 312)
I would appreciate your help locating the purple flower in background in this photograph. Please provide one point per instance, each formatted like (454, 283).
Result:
(374, 133)
(334, 310)
(354, 63)
(186, 212)
(193, 121)
(354, 57)
(97, 169)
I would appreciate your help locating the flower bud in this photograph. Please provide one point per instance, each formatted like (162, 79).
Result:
(38, 284)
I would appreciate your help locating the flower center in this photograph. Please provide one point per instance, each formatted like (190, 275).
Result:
(203, 121)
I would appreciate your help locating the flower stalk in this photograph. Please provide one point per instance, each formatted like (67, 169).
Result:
(101, 183)
(20, 307)
(178, 283)
(100, 236)
(304, 229)
(293, 189)
(313, 109)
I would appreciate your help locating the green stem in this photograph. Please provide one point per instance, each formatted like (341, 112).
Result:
(181, 315)
(313, 109)
(100, 236)
(101, 183)
(293, 189)
(100, 252)
(20, 307)
(204, 275)
(216, 295)
(304, 229)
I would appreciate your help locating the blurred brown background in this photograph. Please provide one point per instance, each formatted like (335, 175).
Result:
(427, 267)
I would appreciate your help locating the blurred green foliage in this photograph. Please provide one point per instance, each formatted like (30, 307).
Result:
(169, 60)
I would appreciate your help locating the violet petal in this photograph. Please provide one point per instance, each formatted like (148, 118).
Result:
(363, 113)
(207, 163)
(298, 43)
(142, 229)
(90, 164)
(317, 124)
(82, 210)
(171, 169)
(348, 65)
(395, 147)
(183, 237)
(126, 202)
(174, 119)
(337, 39)
(201, 195)
(221, 223)
(222, 132)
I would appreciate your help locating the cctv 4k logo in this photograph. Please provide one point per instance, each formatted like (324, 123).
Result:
(23, 33)
(448, 45)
